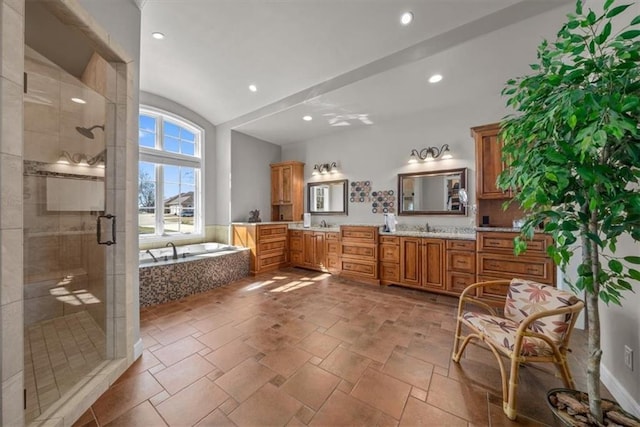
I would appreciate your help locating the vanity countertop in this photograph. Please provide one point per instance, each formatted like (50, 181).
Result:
(431, 234)
(499, 229)
(299, 226)
(289, 223)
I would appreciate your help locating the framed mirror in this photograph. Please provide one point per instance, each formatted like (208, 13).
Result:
(432, 192)
(327, 197)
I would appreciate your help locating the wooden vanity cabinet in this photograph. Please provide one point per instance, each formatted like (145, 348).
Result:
(267, 243)
(359, 253)
(422, 263)
(389, 259)
(287, 191)
(496, 260)
(314, 250)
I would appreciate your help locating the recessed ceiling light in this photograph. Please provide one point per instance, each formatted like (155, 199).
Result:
(78, 100)
(435, 78)
(307, 118)
(157, 35)
(406, 18)
(253, 88)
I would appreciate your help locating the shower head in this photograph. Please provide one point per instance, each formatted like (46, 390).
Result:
(88, 132)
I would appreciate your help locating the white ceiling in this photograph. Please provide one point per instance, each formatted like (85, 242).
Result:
(342, 61)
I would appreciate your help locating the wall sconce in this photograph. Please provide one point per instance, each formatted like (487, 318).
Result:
(82, 159)
(325, 168)
(430, 153)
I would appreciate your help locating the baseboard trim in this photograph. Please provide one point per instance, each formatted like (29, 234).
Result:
(138, 347)
(621, 394)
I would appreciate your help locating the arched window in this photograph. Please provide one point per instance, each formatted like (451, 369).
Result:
(169, 183)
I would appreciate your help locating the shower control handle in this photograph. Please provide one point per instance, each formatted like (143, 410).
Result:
(99, 230)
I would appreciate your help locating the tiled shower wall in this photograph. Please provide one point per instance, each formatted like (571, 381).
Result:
(11, 134)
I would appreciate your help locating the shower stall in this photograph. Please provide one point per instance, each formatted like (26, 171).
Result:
(63, 214)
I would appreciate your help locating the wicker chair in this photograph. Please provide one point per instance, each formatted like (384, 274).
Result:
(536, 327)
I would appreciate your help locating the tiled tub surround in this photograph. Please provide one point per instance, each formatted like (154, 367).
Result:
(172, 280)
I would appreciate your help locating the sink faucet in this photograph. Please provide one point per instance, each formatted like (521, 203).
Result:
(175, 252)
(323, 223)
(427, 228)
(152, 256)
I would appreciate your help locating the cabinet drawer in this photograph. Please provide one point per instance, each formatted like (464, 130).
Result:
(458, 282)
(390, 272)
(333, 263)
(272, 246)
(333, 247)
(360, 268)
(390, 240)
(351, 251)
(272, 231)
(464, 262)
(389, 253)
(363, 234)
(461, 245)
(332, 236)
(267, 261)
(537, 269)
(499, 292)
(295, 233)
(503, 242)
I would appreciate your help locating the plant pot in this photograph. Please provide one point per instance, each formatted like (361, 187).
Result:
(614, 410)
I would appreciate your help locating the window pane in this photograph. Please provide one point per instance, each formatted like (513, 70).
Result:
(187, 176)
(146, 198)
(171, 144)
(188, 148)
(187, 136)
(171, 130)
(147, 123)
(172, 175)
(147, 139)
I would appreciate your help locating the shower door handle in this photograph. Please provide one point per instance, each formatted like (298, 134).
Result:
(99, 230)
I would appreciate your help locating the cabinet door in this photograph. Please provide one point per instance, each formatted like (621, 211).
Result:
(489, 162)
(307, 248)
(410, 250)
(276, 187)
(433, 263)
(286, 183)
(318, 250)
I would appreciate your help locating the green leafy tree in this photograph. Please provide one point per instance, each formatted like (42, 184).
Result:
(573, 151)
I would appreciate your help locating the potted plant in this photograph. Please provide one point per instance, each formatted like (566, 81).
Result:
(572, 148)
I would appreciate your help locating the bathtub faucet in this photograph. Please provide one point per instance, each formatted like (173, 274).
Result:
(175, 252)
(152, 256)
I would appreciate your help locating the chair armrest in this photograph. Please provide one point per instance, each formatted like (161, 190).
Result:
(523, 329)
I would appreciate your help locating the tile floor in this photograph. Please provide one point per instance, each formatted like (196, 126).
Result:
(57, 353)
(302, 348)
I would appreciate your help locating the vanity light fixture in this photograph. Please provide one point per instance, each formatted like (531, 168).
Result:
(81, 159)
(157, 35)
(307, 118)
(406, 18)
(253, 88)
(78, 100)
(430, 153)
(325, 168)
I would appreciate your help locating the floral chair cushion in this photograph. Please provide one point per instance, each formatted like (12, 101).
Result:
(526, 297)
(502, 332)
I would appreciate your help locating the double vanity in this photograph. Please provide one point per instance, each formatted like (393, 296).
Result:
(443, 262)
